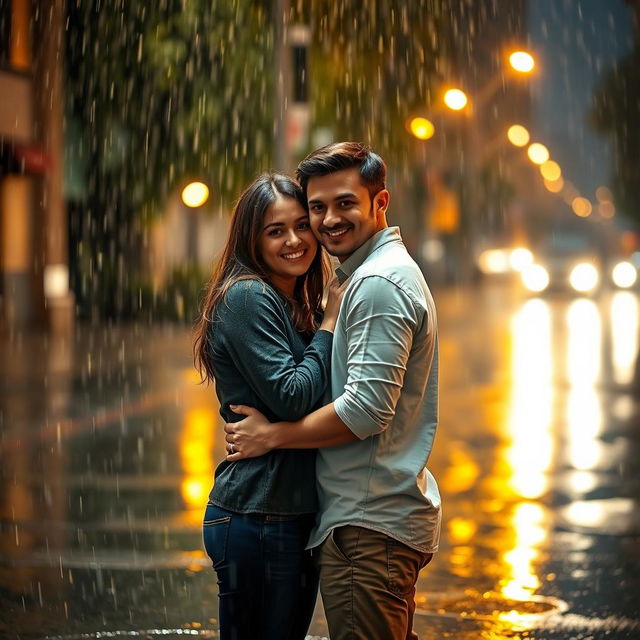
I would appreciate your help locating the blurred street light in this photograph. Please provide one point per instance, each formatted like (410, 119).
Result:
(584, 277)
(538, 153)
(455, 99)
(195, 194)
(520, 258)
(518, 135)
(624, 275)
(522, 61)
(535, 277)
(422, 128)
(581, 207)
(604, 194)
(550, 171)
(606, 209)
(554, 186)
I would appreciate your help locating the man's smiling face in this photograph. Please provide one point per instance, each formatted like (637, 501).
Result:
(343, 216)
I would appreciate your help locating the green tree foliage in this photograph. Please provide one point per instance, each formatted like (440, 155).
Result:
(172, 90)
(373, 65)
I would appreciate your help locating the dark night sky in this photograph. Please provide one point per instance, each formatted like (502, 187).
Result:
(576, 42)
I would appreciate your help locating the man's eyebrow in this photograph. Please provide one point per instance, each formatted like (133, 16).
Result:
(340, 196)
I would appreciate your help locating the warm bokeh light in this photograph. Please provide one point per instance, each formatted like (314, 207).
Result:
(530, 529)
(569, 192)
(624, 335)
(530, 450)
(581, 207)
(519, 258)
(196, 458)
(555, 186)
(422, 128)
(518, 135)
(195, 194)
(522, 61)
(584, 365)
(550, 170)
(606, 209)
(494, 261)
(455, 99)
(535, 278)
(584, 277)
(624, 275)
(604, 194)
(538, 153)
(461, 530)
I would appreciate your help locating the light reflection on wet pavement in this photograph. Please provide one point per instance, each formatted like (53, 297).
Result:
(107, 453)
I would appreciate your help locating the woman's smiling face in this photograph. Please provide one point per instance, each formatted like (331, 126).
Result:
(287, 245)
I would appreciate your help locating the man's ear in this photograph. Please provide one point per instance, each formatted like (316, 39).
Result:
(381, 202)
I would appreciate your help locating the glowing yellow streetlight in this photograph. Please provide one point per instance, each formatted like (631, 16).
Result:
(555, 186)
(538, 153)
(522, 61)
(606, 209)
(422, 128)
(518, 135)
(604, 194)
(550, 170)
(195, 194)
(455, 99)
(581, 207)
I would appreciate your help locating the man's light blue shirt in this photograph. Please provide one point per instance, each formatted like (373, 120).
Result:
(384, 385)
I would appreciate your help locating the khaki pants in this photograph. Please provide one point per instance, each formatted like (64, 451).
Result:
(368, 585)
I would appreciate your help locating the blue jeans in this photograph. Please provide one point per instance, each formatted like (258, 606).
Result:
(267, 581)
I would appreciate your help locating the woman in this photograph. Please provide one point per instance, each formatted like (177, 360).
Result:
(259, 338)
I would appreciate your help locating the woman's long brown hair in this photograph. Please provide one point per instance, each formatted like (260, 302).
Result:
(241, 260)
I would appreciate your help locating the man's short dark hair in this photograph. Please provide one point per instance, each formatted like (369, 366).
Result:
(344, 155)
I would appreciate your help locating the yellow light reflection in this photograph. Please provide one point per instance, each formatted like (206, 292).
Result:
(196, 458)
(583, 362)
(528, 521)
(624, 335)
(584, 411)
(530, 452)
(604, 194)
(461, 530)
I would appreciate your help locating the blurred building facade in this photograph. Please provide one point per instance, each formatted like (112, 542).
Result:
(34, 288)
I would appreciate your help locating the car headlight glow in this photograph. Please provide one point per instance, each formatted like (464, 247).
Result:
(584, 277)
(520, 258)
(624, 275)
(535, 277)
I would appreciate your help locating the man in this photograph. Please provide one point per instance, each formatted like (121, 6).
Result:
(379, 519)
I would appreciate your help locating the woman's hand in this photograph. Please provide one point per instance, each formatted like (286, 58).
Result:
(335, 292)
(248, 438)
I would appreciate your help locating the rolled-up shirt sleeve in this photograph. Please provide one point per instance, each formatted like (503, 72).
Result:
(380, 321)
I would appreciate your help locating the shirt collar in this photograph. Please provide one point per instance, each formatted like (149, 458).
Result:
(382, 237)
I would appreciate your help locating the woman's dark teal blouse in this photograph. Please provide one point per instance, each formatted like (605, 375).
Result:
(260, 360)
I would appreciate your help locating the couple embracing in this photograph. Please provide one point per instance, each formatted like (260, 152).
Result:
(330, 416)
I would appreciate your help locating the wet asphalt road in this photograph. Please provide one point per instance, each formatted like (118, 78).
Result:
(108, 445)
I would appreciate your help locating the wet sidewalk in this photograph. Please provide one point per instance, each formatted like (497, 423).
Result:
(107, 453)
